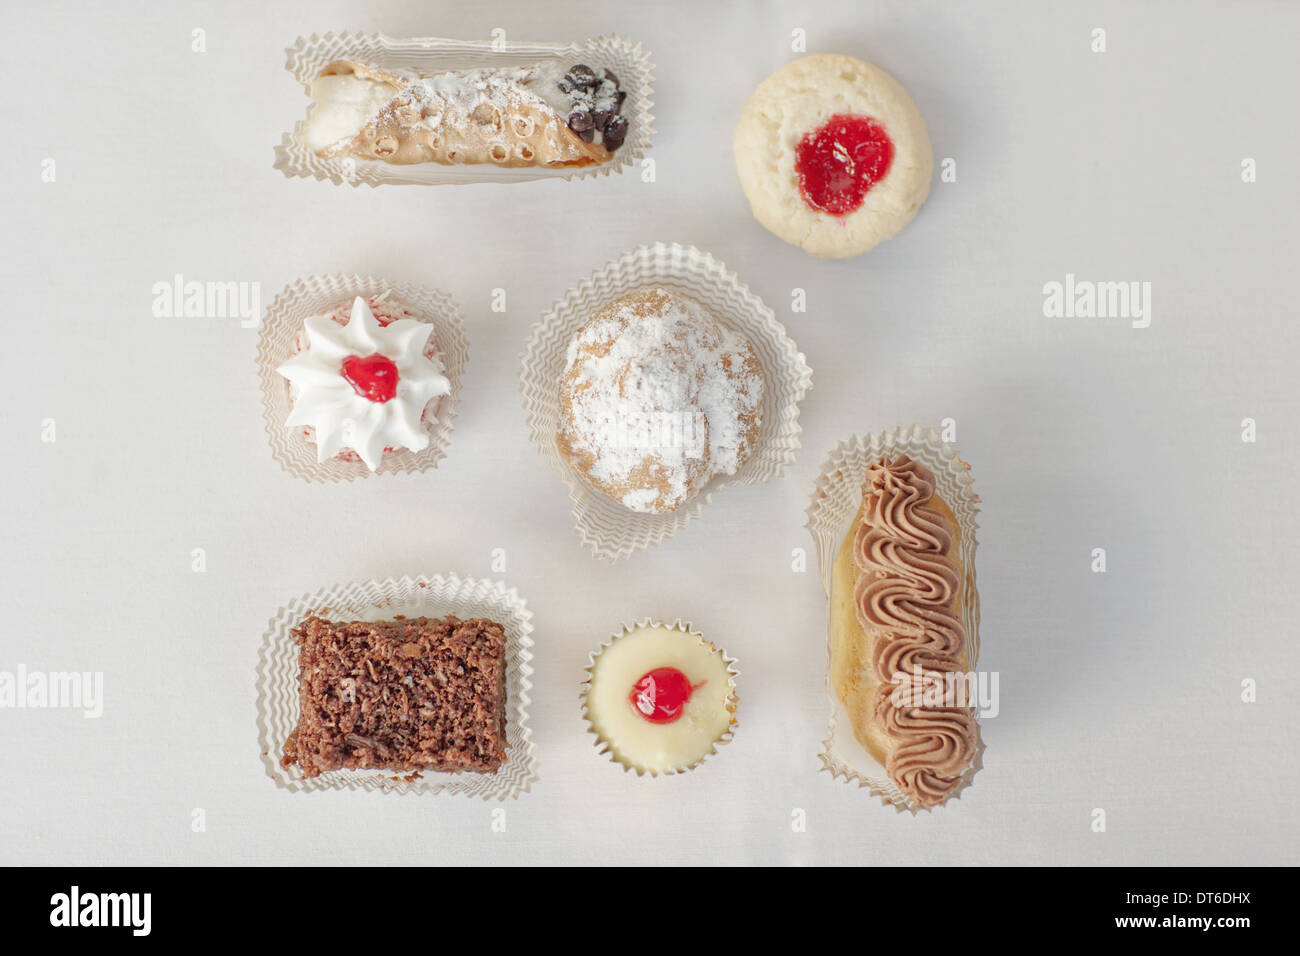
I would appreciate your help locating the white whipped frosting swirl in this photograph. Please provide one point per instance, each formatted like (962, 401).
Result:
(340, 415)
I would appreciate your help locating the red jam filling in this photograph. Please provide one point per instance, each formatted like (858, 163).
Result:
(838, 164)
(661, 695)
(373, 377)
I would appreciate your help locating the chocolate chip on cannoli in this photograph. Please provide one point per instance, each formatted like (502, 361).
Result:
(594, 104)
(581, 76)
(613, 133)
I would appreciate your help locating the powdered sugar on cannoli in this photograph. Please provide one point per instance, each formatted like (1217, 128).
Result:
(539, 115)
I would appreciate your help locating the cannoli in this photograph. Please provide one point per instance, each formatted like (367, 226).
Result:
(898, 643)
(539, 115)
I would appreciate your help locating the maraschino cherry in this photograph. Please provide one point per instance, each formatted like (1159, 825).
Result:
(661, 695)
(373, 377)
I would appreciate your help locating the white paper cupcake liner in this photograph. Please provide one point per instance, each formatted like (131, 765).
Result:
(607, 528)
(836, 498)
(433, 596)
(606, 746)
(310, 55)
(316, 295)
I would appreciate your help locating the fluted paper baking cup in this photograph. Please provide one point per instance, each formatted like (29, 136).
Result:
(316, 295)
(605, 746)
(836, 498)
(607, 528)
(426, 596)
(310, 55)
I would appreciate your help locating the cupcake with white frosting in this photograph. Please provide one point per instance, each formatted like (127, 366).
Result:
(364, 381)
(360, 376)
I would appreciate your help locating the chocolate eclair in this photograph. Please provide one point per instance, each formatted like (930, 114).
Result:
(899, 647)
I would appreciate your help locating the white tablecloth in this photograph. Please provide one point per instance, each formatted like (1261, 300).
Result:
(1120, 691)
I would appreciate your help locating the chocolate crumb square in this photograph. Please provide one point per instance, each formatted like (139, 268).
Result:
(409, 694)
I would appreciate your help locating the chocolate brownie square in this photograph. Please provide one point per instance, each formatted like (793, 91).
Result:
(410, 694)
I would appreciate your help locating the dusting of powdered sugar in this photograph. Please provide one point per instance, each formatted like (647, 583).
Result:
(466, 89)
(655, 382)
(537, 86)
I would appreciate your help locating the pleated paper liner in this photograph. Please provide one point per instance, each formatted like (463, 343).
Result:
(306, 58)
(606, 746)
(436, 595)
(607, 528)
(836, 498)
(316, 295)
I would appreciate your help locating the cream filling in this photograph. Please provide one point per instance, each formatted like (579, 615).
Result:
(343, 104)
(635, 741)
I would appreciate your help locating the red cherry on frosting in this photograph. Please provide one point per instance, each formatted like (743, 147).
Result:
(661, 695)
(373, 377)
(839, 163)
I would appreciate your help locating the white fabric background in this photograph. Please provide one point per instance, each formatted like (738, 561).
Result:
(1119, 691)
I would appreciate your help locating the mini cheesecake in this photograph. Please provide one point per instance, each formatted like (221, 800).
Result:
(660, 699)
